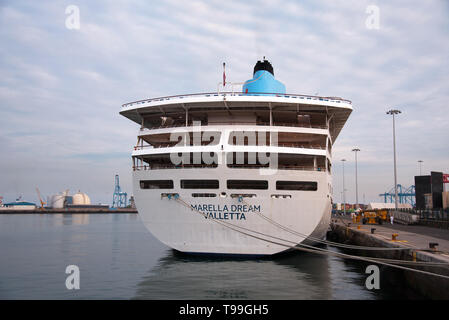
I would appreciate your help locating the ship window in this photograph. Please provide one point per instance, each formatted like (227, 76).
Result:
(178, 160)
(248, 184)
(156, 184)
(281, 196)
(297, 185)
(204, 195)
(243, 195)
(249, 138)
(199, 184)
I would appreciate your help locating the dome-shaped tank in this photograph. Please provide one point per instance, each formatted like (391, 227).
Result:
(80, 198)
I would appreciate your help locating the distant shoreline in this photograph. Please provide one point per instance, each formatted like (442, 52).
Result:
(71, 211)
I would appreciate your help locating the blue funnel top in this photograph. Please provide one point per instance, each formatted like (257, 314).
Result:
(263, 81)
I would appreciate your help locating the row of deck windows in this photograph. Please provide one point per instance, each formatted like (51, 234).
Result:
(231, 184)
(257, 115)
(233, 160)
(223, 194)
(236, 138)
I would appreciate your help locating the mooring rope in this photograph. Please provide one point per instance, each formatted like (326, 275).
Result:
(331, 243)
(313, 249)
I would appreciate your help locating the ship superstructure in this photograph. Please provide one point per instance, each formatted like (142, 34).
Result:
(236, 173)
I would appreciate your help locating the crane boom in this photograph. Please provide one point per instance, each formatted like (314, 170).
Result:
(40, 198)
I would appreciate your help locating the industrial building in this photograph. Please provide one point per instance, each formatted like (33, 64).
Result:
(64, 200)
(387, 205)
(430, 193)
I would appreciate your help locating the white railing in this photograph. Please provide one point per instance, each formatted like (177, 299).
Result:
(284, 145)
(233, 166)
(224, 94)
(267, 124)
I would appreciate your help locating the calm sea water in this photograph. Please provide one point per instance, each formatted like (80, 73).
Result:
(119, 259)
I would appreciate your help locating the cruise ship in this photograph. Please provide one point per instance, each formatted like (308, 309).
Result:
(241, 173)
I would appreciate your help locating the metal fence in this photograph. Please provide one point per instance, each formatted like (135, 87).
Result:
(431, 217)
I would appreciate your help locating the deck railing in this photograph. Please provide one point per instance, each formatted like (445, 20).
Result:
(225, 94)
(282, 145)
(172, 166)
(267, 124)
(233, 166)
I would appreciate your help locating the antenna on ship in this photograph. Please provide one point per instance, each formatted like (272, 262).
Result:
(224, 74)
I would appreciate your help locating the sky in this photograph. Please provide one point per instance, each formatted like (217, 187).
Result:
(62, 87)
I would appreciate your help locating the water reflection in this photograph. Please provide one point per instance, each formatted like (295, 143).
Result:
(296, 275)
(120, 259)
(59, 219)
(80, 219)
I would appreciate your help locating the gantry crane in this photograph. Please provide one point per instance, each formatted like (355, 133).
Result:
(405, 195)
(119, 199)
(40, 198)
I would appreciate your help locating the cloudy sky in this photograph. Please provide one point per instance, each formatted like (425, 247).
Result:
(61, 89)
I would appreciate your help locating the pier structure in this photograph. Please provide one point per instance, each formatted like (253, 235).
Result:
(427, 246)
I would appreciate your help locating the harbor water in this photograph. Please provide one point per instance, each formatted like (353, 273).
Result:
(119, 259)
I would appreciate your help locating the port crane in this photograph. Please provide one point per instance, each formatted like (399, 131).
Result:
(405, 195)
(119, 198)
(40, 198)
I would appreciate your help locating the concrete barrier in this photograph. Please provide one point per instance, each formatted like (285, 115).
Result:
(405, 217)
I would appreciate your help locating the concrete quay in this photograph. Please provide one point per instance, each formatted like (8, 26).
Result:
(415, 239)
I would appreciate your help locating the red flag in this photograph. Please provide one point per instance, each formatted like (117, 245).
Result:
(224, 75)
(445, 178)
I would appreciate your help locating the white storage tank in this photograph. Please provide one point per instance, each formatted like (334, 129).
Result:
(57, 201)
(80, 198)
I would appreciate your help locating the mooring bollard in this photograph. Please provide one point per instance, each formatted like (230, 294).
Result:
(372, 230)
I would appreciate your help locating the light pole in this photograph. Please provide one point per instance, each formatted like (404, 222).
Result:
(356, 184)
(420, 167)
(393, 112)
(344, 193)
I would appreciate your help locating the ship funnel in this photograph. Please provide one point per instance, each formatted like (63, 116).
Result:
(263, 65)
(263, 81)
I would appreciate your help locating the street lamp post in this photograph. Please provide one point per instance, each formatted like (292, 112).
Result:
(356, 182)
(420, 167)
(393, 112)
(344, 193)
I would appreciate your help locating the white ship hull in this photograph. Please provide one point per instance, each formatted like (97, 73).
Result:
(233, 226)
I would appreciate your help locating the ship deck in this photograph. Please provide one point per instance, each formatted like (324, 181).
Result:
(271, 109)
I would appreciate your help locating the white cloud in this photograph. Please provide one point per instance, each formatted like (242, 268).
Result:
(61, 90)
